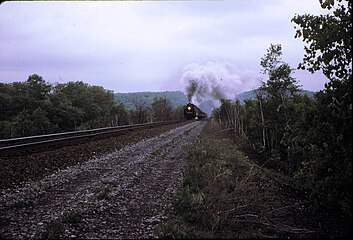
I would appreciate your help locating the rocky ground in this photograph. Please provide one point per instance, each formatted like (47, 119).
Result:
(121, 194)
(19, 168)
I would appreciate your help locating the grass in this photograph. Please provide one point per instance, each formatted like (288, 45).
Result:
(226, 195)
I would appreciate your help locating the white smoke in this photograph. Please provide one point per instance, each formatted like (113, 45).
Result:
(214, 81)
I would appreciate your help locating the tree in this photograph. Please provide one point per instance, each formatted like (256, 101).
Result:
(329, 49)
(21, 125)
(280, 85)
(91, 103)
(329, 40)
(37, 87)
(36, 107)
(141, 110)
(277, 94)
(40, 121)
(34, 92)
(161, 109)
(19, 103)
(118, 115)
(178, 113)
(20, 96)
(6, 98)
(63, 114)
(327, 168)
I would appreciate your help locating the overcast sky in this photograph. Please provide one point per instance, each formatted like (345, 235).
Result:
(128, 46)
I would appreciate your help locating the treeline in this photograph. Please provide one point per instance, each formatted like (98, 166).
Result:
(308, 139)
(37, 107)
(177, 98)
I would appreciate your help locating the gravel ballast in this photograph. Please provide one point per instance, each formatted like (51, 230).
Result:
(125, 193)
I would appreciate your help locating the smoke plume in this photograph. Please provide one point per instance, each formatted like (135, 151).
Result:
(214, 81)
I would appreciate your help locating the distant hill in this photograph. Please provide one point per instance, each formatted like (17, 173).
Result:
(252, 95)
(207, 107)
(177, 98)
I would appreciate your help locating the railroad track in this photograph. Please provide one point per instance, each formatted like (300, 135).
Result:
(42, 142)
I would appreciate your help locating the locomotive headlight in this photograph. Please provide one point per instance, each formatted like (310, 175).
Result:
(189, 108)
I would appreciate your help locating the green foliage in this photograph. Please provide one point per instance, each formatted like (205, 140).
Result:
(178, 113)
(119, 115)
(307, 138)
(23, 96)
(327, 166)
(22, 107)
(224, 195)
(63, 114)
(276, 99)
(161, 109)
(88, 105)
(152, 106)
(212, 184)
(328, 39)
(327, 162)
(36, 107)
(176, 98)
(251, 95)
(280, 86)
(74, 105)
(265, 120)
(37, 88)
(272, 59)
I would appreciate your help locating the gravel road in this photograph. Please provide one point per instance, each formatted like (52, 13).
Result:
(123, 194)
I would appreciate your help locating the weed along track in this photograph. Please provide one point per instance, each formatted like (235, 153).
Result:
(123, 194)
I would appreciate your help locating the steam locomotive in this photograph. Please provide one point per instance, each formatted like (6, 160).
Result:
(191, 111)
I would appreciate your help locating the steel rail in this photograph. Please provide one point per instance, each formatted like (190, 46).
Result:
(8, 146)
